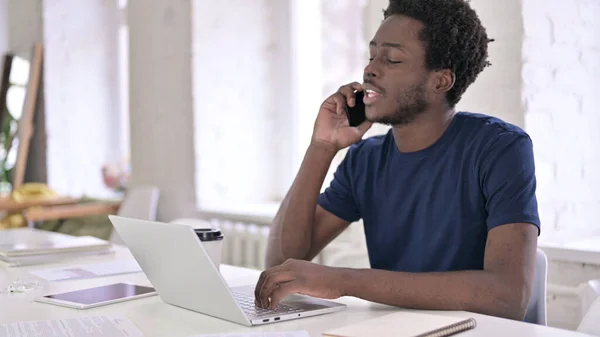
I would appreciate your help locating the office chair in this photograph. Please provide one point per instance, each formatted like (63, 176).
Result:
(140, 202)
(536, 310)
(590, 323)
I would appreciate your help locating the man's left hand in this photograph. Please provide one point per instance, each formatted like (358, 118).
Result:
(297, 277)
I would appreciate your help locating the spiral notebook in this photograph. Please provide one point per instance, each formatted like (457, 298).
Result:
(406, 324)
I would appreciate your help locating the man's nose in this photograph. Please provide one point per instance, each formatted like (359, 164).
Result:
(372, 70)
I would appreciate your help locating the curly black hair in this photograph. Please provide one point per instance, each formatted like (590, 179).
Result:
(453, 36)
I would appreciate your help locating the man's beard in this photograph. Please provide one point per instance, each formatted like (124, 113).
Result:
(410, 105)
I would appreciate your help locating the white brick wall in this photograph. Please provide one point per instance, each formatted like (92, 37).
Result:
(561, 82)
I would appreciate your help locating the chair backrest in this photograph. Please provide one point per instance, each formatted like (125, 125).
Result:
(536, 311)
(590, 323)
(139, 203)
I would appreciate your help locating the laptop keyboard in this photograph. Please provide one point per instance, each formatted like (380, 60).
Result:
(247, 304)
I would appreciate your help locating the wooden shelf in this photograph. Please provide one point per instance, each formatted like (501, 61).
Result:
(9, 205)
(70, 211)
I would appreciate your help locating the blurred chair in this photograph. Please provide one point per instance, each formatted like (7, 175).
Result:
(536, 310)
(590, 323)
(139, 202)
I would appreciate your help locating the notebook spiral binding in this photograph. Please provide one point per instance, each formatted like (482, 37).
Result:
(452, 329)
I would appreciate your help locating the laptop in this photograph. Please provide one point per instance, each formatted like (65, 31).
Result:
(181, 271)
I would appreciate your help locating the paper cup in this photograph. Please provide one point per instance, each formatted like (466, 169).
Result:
(212, 241)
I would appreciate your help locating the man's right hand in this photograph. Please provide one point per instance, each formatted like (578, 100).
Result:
(331, 126)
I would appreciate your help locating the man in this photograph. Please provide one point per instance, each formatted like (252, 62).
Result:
(447, 198)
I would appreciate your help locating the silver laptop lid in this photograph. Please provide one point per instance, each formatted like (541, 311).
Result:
(175, 262)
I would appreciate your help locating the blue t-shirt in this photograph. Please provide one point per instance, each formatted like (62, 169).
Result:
(431, 210)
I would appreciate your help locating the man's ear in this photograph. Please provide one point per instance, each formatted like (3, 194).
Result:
(444, 80)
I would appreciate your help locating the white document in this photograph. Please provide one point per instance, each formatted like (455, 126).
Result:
(91, 326)
(260, 334)
(87, 271)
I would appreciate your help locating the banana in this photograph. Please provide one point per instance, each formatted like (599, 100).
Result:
(14, 220)
(32, 192)
(24, 193)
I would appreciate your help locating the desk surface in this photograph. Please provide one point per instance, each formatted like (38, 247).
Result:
(156, 318)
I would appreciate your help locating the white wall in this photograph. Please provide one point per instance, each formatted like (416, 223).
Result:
(81, 94)
(161, 103)
(561, 82)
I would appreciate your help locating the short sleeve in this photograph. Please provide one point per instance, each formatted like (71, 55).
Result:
(508, 181)
(338, 197)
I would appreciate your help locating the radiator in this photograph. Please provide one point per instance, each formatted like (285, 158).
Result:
(246, 235)
(244, 245)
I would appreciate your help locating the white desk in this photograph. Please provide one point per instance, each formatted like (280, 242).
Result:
(156, 318)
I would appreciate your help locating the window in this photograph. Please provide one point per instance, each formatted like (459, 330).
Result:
(15, 98)
(123, 73)
(257, 94)
(85, 93)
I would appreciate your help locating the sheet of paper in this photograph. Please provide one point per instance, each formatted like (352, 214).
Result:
(260, 334)
(91, 326)
(87, 270)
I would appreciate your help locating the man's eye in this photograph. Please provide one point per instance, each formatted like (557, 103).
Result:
(394, 62)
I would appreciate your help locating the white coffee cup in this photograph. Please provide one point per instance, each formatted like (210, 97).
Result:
(212, 241)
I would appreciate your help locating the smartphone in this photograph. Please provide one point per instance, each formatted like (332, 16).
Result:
(98, 296)
(356, 114)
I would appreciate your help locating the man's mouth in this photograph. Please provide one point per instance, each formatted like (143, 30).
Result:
(371, 96)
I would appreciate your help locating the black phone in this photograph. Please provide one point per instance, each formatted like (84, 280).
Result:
(356, 114)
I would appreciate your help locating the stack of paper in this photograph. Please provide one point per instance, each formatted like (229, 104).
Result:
(27, 246)
(97, 326)
(406, 324)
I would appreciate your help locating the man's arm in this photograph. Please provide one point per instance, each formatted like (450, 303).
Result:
(301, 228)
(502, 288)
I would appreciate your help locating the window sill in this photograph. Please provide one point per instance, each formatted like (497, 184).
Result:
(577, 250)
(259, 214)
